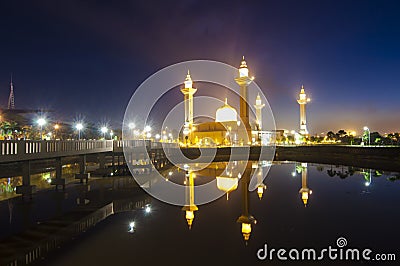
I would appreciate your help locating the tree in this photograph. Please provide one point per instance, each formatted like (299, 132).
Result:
(331, 136)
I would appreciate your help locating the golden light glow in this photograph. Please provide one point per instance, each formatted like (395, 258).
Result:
(56, 126)
(304, 197)
(246, 230)
(260, 191)
(189, 218)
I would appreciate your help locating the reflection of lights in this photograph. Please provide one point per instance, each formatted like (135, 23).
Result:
(147, 209)
(131, 227)
(294, 173)
(190, 217)
(260, 190)
(185, 166)
(246, 230)
(367, 184)
(170, 173)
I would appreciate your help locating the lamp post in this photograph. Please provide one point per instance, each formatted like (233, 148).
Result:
(41, 122)
(79, 127)
(369, 135)
(132, 127)
(56, 128)
(104, 131)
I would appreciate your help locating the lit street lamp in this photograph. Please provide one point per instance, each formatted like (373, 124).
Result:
(56, 128)
(104, 131)
(369, 135)
(41, 122)
(79, 127)
(132, 127)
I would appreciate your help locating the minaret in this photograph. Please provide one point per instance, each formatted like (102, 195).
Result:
(11, 104)
(303, 100)
(258, 107)
(188, 92)
(190, 206)
(304, 191)
(244, 81)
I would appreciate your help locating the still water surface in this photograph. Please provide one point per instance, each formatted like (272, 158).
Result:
(357, 204)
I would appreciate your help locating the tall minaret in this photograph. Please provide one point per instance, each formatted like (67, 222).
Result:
(303, 100)
(188, 92)
(11, 104)
(244, 80)
(258, 107)
(304, 191)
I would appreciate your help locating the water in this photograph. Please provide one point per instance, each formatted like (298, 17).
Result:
(357, 204)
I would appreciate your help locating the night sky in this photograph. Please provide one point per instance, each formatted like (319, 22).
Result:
(85, 58)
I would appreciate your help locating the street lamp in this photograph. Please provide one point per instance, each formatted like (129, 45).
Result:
(79, 127)
(104, 131)
(56, 128)
(132, 127)
(41, 122)
(369, 134)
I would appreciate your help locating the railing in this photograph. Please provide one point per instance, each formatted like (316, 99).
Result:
(21, 150)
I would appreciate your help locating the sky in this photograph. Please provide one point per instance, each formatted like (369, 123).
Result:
(84, 59)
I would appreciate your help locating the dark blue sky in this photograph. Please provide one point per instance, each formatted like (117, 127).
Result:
(86, 58)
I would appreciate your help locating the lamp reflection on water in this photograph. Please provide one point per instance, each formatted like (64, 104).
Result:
(304, 191)
(246, 219)
(190, 207)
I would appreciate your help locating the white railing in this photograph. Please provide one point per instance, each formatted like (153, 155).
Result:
(16, 150)
(20, 150)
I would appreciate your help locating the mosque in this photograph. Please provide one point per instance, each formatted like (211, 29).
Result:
(229, 127)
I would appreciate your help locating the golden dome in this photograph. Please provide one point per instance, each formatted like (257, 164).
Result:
(226, 113)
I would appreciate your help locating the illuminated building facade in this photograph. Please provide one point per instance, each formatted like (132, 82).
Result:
(229, 128)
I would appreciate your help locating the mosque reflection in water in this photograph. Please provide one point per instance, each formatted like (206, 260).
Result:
(229, 177)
